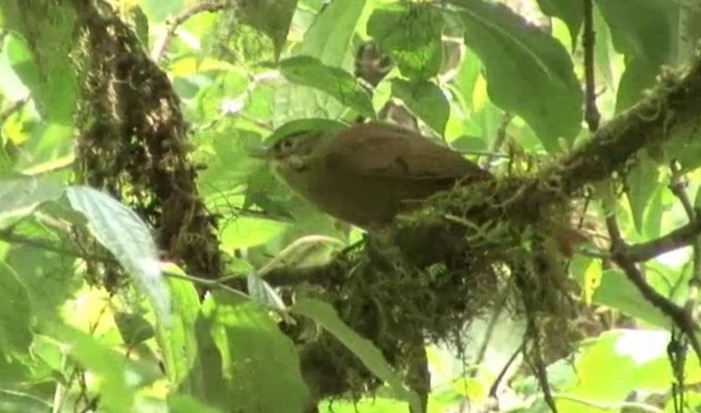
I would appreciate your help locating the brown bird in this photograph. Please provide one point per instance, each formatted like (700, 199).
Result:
(367, 173)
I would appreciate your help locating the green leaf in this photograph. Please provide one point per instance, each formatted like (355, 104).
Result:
(326, 316)
(120, 377)
(330, 35)
(15, 313)
(186, 404)
(15, 370)
(123, 233)
(49, 277)
(133, 328)
(568, 11)
(344, 87)
(158, 11)
(17, 402)
(426, 100)
(685, 148)
(641, 183)
(411, 35)
(638, 367)
(617, 291)
(272, 17)
(327, 40)
(20, 195)
(177, 342)
(260, 364)
(643, 32)
(42, 59)
(528, 72)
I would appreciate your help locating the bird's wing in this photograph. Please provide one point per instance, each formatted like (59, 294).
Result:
(393, 152)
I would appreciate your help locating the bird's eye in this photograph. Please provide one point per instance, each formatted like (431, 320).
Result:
(283, 146)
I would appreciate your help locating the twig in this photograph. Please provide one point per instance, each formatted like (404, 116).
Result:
(591, 112)
(610, 406)
(42, 244)
(678, 188)
(677, 314)
(679, 238)
(172, 25)
(12, 108)
(500, 138)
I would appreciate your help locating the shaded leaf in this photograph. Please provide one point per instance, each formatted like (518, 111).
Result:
(15, 313)
(330, 35)
(641, 183)
(326, 316)
(272, 17)
(643, 32)
(568, 11)
(260, 364)
(42, 58)
(177, 342)
(426, 100)
(18, 402)
(133, 328)
(120, 377)
(344, 87)
(528, 72)
(123, 233)
(617, 291)
(186, 404)
(411, 35)
(20, 195)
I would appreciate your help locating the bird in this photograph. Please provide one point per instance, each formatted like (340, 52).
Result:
(367, 173)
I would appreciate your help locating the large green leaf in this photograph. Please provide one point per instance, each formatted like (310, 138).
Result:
(638, 367)
(20, 195)
(15, 313)
(327, 40)
(120, 377)
(568, 11)
(528, 72)
(643, 32)
(617, 291)
(17, 402)
(42, 57)
(411, 35)
(330, 35)
(123, 233)
(641, 183)
(344, 87)
(178, 342)
(272, 17)
(326, 316)
(426, 100)
(260, 364)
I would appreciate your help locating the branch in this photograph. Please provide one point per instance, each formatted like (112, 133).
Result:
(673, 104)
(679, 238)
(591, 112)
(172, 25)
(681, 318)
